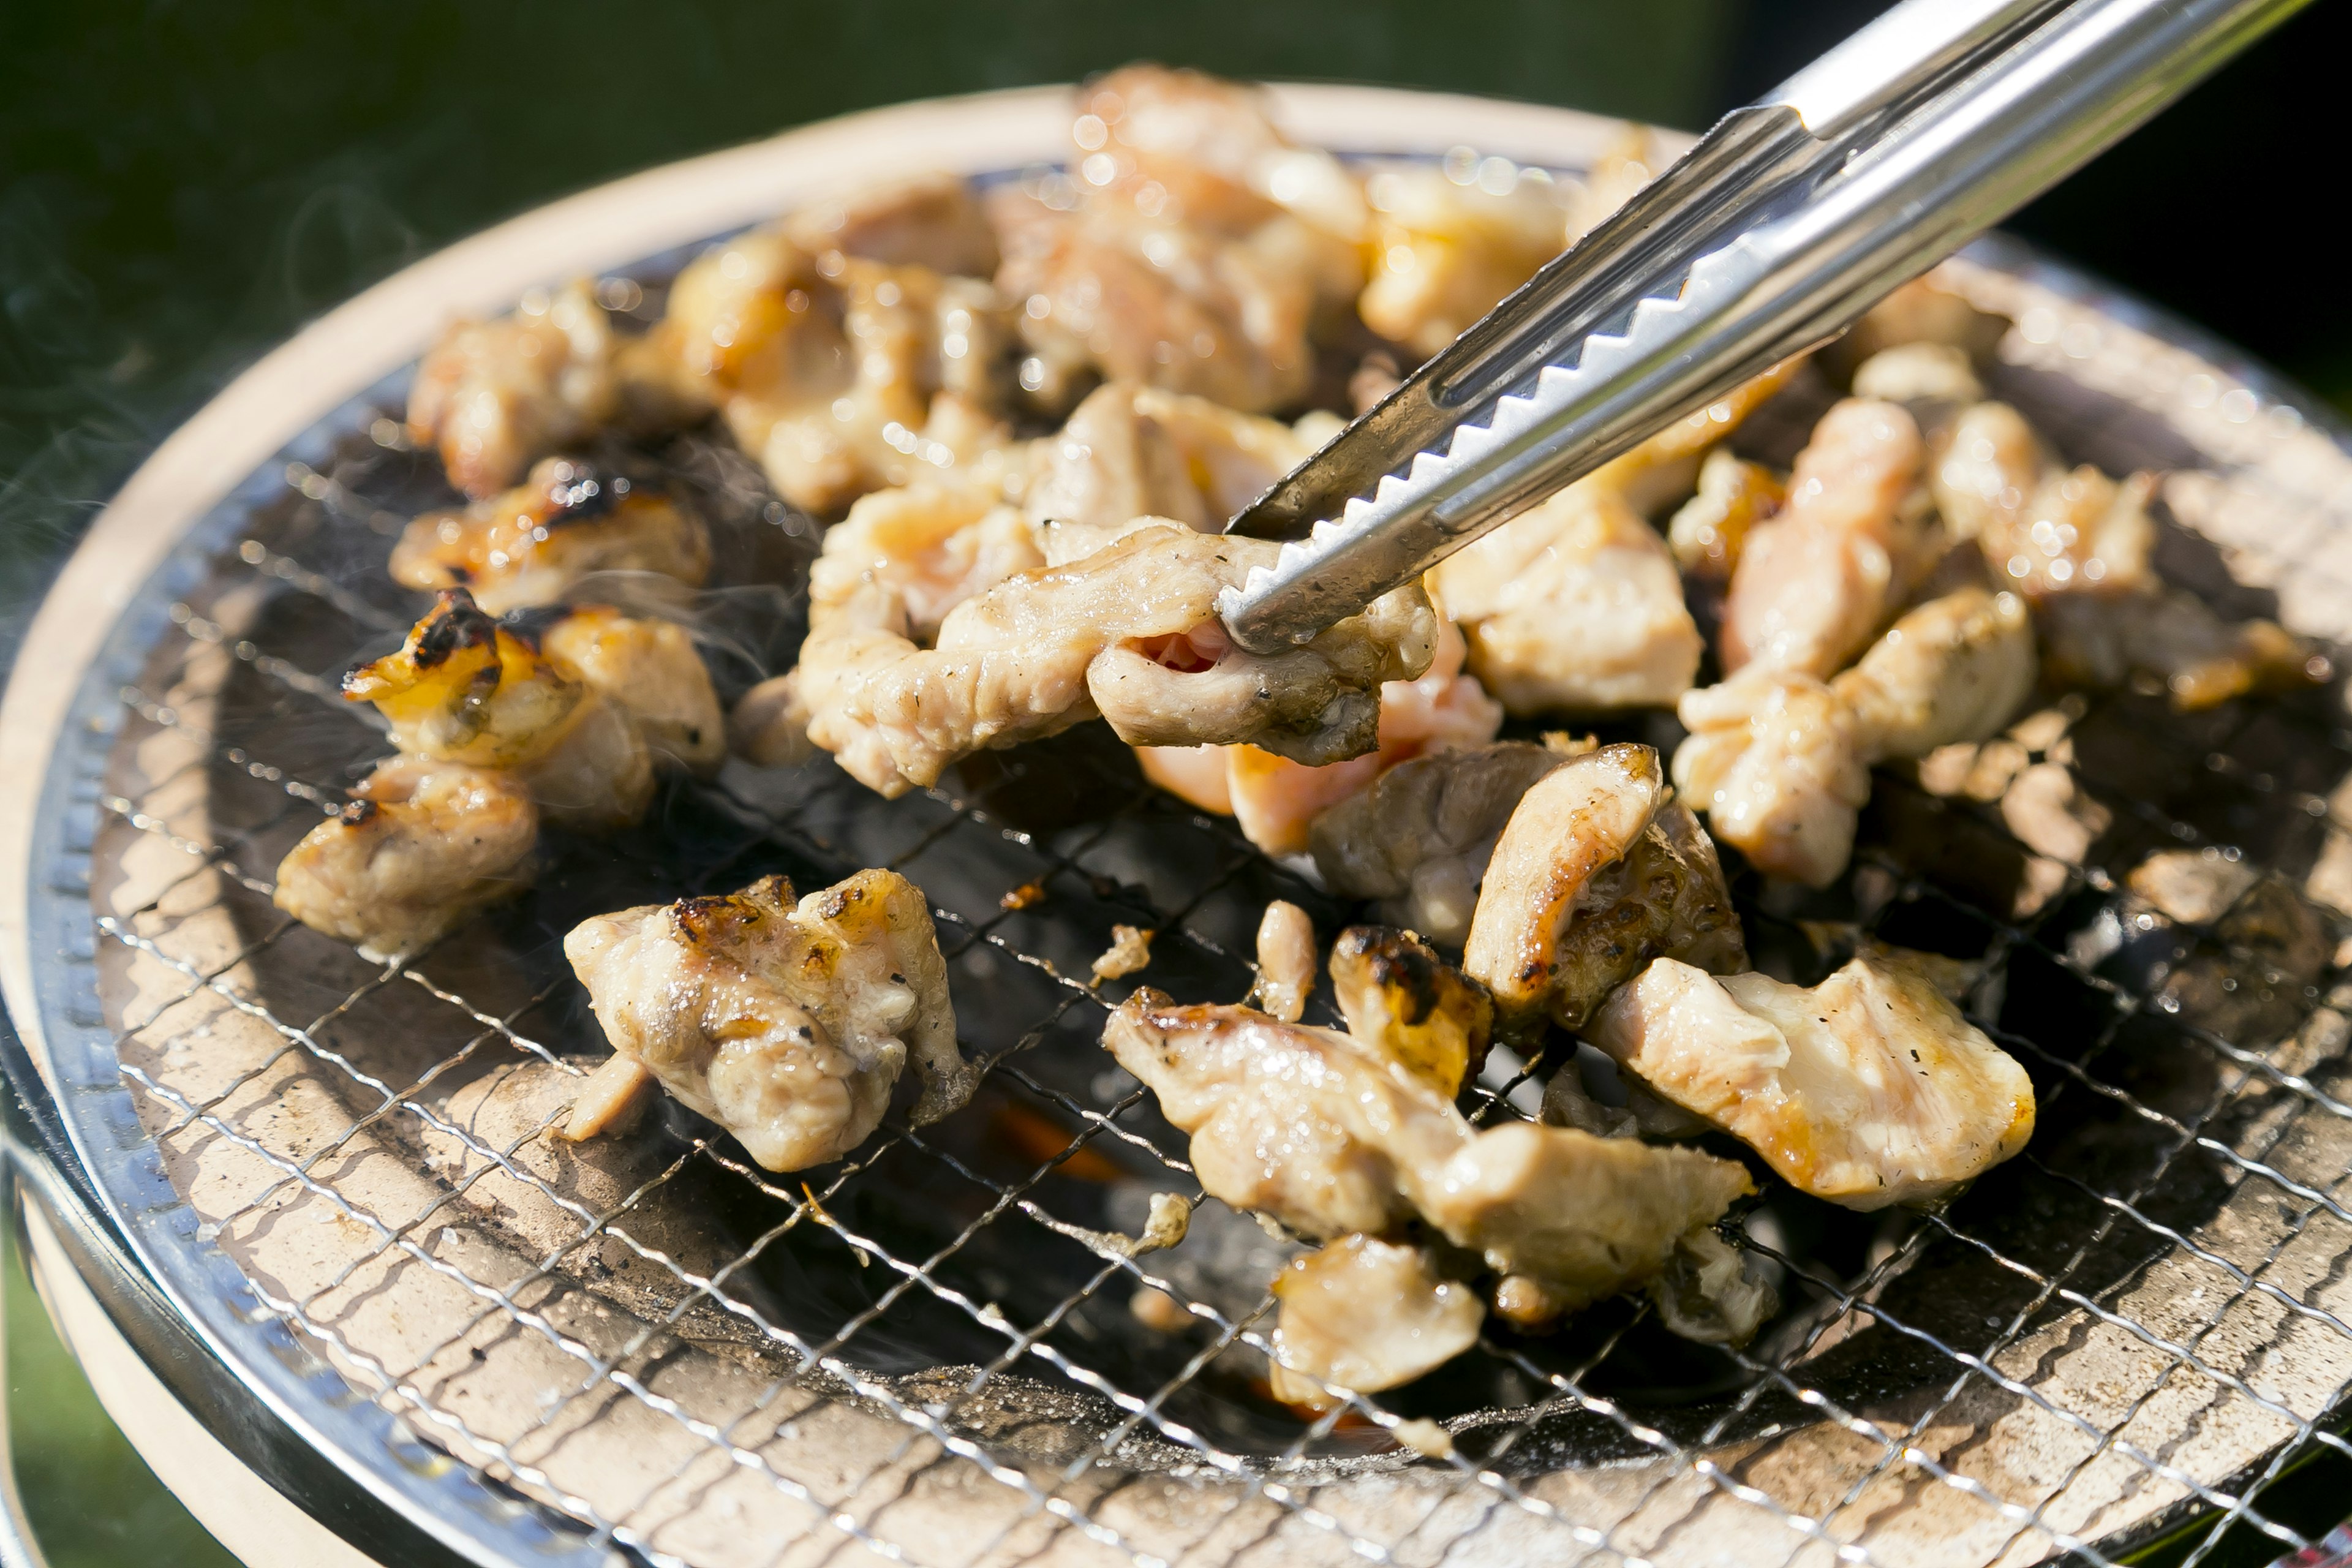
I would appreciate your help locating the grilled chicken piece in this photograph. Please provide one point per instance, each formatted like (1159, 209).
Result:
(1780, 761)
(494, 396)
(1705, 1293)
(2203, 660)
(1598, 872)
(842, 375)
(1129, 633)
(463, 688)
(932, 220)
(1362, 1314)
(1286, 961)
(1867, 1089)
(649, 669)
(1710, 530)
(1309, 1128)
(1575, 606)
(1921, 375)
(1815, 584)
(1302, 1124)
(787, 1023)
(1576, 1217)
(1132, 451)
(1276, 801)
(423, 845)
(1450, 247)
(1410, 1006)
(1183, 262)
(1420, 838)
(528, 546)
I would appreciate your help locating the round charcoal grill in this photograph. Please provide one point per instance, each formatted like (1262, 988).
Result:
(339, 1177)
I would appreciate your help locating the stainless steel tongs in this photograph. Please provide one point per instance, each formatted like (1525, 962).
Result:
(1787, 221)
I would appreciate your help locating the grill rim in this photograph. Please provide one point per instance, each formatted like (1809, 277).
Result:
(59, 1002)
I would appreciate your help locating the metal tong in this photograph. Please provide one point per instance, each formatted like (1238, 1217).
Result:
(1787, 221)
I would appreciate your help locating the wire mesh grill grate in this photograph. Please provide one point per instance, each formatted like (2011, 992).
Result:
(926, 1353)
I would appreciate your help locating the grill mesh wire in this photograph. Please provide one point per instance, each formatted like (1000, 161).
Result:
(233, 745)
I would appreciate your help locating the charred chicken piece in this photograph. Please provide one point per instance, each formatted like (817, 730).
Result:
(463, 688)
(1867, 1089)
(494, 396)
(1815, 584)
(1780, 761)
(787, 1023)
(1129, 633)
(530, 545)
(423, 845)
(1598, 872)
(1362, 1314)
(1420, 838)
(1412, 1007)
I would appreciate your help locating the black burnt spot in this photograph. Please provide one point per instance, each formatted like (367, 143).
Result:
(531, 624)
(358, 813)
(1397, 963)
(457, 622)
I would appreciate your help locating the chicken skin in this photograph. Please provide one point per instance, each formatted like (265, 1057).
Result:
(788, 1024)
(530, 545)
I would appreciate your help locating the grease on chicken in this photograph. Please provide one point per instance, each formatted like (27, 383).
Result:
(463, 688)
(1195, 250)
(1129, 633)
(1598, 872)
(530, 545)
(1311, 1128)
(1410, 1006)
(787, 1023)
(1867, 1089)
(423, 845)
(1780, 761)
(1815, 584)
(1363, 1314)
(1420, 838)
(494, 396)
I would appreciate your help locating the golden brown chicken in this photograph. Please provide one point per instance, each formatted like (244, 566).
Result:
(421, 846)
(1867, 1089)
(647, 668)
(1411, 1008)
(530, 545)
(1362, 1314)
(786, 1023)
(495, 396)
(1598, 870)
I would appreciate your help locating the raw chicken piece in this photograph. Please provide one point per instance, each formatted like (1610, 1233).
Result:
(1301, 1125)
(1449, 244)
(1312, 1129)
(1575, 606)
(1815, 584)
(528, 546)
(1867, 1089)
(1780, 761)
(1578, 1217)
(1173, 260)
(463, 688)
(422, 845)
(1419, 840)
(1129, 633)
(1286, 961)
(1132, 451)
(1598, 872)
(649, 669)
(1410, 1006)
(1710, 530)
(1276, 801)
(493, 396)
(786, 1024)
(931, 220)
(842, 375)
(1362, 1314)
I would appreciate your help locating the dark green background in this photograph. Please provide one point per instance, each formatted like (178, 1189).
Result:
(182, 185)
